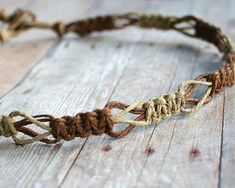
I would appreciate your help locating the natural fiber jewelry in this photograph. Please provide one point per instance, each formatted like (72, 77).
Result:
(103, 120)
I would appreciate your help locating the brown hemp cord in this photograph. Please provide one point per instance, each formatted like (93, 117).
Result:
(103, 120)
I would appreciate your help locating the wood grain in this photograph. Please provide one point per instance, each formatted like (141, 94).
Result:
(161, 167)
(30, 47)
(27, 163)
(227, 166)
(79, 75)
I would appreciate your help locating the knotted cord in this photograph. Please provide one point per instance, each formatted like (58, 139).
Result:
(146, 112)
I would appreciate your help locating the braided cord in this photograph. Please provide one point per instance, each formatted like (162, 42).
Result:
(149, 111)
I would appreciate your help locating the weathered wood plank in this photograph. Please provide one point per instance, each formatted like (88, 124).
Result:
(27, 49)
(227, 167)
(117, 49)
(93, 166)
(125, 65)
(192, 150)
(127, 163)
(15, 56)
(21, 166)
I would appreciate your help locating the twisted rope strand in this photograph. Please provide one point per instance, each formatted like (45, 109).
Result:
(146, 112)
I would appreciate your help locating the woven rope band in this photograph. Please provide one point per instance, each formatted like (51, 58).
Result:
(103, 120)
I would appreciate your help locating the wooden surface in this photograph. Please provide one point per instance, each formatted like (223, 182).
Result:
(40, 74)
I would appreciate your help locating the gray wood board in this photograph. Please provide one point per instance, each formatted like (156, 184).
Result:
(195, 150)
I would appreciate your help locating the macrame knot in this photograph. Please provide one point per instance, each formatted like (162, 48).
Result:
(96, 122)
(84, 27)
(209, 33)
(151, 111)
(231, 57)
(7, 128)
(224, 77)
(156, 21)
(167, 105)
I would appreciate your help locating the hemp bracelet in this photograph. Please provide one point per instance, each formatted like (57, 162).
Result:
(146, 112)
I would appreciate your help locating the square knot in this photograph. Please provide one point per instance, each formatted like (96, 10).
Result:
(84, 27)
(230, 58)
(208, 32)
(163, 107)
(85, 124)
(224, 77)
